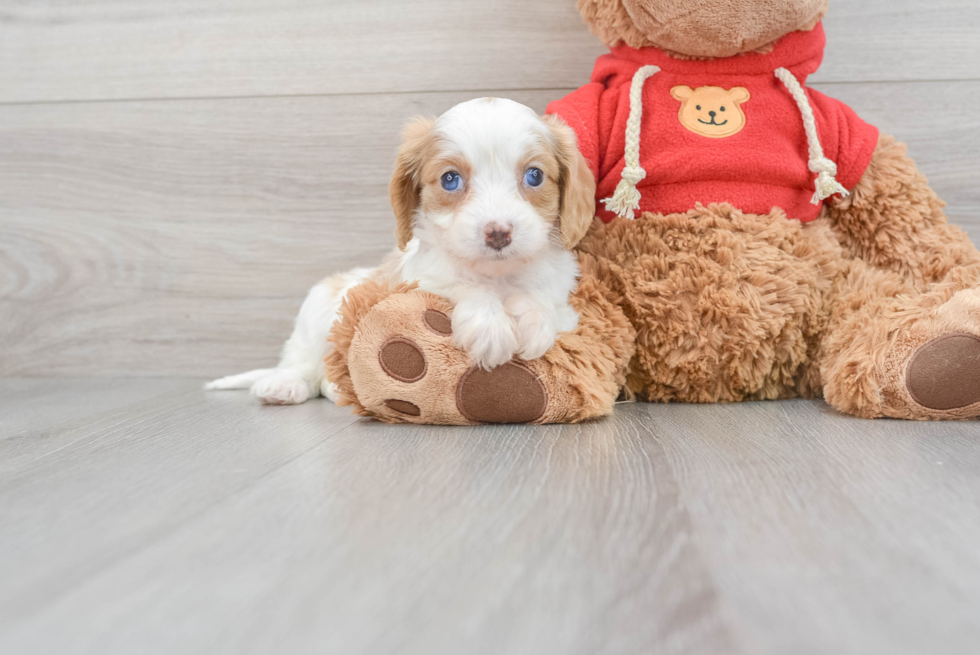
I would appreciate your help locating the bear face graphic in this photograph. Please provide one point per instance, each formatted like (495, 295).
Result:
(712, 111)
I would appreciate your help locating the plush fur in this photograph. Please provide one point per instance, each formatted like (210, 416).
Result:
(717, 305)
(723, 302)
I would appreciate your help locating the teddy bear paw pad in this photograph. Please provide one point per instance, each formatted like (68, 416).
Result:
(944, 374)
(403, 407)
(438, 322)
(510, 393)
(403, 360)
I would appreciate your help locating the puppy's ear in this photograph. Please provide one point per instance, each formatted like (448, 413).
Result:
(406, 184)
(576, 184)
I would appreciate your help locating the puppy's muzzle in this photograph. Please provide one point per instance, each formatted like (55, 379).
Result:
(497, 236)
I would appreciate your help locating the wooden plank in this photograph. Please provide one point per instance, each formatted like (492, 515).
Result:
(379, 539)
(31, 407)
(179, 237)
(829, 534)
(207, 48)
(205, 523)
(81, 496)
(901, 40)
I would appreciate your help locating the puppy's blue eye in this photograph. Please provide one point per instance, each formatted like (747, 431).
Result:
(451, 181)
(533, 177)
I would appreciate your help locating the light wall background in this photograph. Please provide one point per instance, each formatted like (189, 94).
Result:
(175, 175)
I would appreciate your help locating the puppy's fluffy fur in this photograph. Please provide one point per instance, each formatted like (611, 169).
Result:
(509, 300)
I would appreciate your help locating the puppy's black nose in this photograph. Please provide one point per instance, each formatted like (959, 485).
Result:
(497, 236)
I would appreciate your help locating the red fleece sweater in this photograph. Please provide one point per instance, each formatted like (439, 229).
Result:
(752, 154)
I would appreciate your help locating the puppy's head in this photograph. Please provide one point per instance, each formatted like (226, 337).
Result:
(491, 182)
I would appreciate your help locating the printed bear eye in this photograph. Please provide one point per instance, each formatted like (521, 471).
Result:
(723, 108)
(699, 107)
(451, 181)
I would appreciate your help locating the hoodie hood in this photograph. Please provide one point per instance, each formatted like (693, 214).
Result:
(799, 52)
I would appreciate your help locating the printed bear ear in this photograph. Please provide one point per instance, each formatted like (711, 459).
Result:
(740, 94)
(683, 92)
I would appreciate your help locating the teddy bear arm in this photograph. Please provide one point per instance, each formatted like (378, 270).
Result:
(894, 220)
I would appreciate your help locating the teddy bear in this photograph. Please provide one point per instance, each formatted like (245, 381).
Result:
(754, 239)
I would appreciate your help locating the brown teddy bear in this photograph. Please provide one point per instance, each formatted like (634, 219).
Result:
(754, 239)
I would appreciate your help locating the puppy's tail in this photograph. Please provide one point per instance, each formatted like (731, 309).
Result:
(240, 381)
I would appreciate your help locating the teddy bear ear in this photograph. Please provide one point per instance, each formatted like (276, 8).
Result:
(682, 92)
(740, 94)
(405, 185)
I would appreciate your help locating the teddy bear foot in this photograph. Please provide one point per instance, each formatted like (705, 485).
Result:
(936, 366)
(392, 358)
(913, 358)
(398, 364)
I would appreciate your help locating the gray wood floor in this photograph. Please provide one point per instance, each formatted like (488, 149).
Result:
(145, 516)
(174, 176)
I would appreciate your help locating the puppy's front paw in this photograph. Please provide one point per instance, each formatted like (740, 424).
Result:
(281, 388)
(487, 335)
(535, 326)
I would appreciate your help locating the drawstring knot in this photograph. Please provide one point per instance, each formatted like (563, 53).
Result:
(633, 176)
(823, 165)
(827, 184)
(626, 199)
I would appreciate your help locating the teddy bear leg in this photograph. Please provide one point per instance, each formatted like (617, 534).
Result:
(393, 359)
(892, 351)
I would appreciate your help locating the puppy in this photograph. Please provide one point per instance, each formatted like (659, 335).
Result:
(489, 200)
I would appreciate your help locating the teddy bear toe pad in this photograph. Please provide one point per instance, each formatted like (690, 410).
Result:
(403, 407)
(944, 374)
(403, 360)
(438, 322)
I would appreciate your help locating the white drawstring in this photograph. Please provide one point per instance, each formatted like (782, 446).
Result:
(626, 199)
(827, 184)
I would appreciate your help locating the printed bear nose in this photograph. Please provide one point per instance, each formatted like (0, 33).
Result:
(496, 235)
(712, 113)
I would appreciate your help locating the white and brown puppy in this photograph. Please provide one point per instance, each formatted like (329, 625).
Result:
(490, 198)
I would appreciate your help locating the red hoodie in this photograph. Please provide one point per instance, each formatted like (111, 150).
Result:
(752, 151)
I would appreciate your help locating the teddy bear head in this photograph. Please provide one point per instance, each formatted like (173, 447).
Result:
(699, 28)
